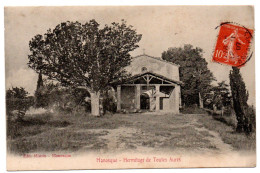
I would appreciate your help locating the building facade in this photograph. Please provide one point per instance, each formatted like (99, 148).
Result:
(153, 86)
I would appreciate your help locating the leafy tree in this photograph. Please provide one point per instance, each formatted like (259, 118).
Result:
(40, 97)
(17, 99)
(44, 92)
(68, 99)
(39, 82)
(240, 97)
(221, 97)
(84, 55)
(15, 92)
(194, 72)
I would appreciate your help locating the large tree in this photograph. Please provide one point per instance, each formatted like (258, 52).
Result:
(194, 72)
(240, 97)
(84, 55)
(40, 99)
(223, 93)
(17, 99)
(219, 96)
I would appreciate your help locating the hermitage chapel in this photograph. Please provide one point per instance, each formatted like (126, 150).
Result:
(153, 86)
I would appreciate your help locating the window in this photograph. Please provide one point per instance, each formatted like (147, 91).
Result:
(144, 69)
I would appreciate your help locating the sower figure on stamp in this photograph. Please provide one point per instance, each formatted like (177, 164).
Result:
(229, 42)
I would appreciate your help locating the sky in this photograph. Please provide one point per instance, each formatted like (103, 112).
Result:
(161, 27)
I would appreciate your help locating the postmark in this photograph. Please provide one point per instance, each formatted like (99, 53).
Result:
(233, 45)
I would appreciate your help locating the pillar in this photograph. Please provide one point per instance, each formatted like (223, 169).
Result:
(137, 96)
(200, 101)
(118, 97)
(151, 103)
(177, 93)
(157, 101)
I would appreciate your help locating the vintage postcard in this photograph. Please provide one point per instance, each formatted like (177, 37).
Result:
(114, 87)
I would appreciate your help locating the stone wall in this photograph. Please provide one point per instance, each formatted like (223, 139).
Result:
(154, 65)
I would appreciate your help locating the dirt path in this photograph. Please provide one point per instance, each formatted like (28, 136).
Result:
(214, 138)
(181, 135)
(113, 138)
(122, 139)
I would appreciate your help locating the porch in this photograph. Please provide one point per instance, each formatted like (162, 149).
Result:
(149, 91)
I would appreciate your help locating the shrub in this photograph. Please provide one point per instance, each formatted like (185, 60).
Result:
(193, 109)
(17, 103)
(251, 120)
(109, 104)
(109, 101)
(62, 99)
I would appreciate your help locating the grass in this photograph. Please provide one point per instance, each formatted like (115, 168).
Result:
(192, 110)
(54, 140)
(239, 141)
(33, 125)
(49, 132)
(64, 132)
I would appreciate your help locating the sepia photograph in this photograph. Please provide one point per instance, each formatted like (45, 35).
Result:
(119, 87)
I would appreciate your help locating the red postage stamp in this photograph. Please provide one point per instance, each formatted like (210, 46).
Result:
(233, 45)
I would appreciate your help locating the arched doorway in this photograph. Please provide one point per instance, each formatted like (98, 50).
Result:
(145, 101)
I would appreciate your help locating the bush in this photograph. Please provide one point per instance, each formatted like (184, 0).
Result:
(67, 100)
(228, 120)
(108, 101)
(109, 105)
(17, 103)
(250, 120)
(193, 109)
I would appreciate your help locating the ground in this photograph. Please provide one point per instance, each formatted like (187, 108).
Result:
(145, 133)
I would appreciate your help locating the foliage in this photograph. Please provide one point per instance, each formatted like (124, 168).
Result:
(219, 96)
(18, 99)
(239, 141)
(63, 98)
(252, 119)
(43, 93)
(194, 72)
(240, 97)
(84, 55)
(33, 125)
(109, 101)
(19, 93)
(192, 109)
(17, 103)
(71, 99)
(40, 98)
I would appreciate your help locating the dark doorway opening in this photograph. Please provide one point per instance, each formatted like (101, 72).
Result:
(145, 101)
(161, 103)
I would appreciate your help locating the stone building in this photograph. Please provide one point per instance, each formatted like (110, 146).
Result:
(153, 86)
